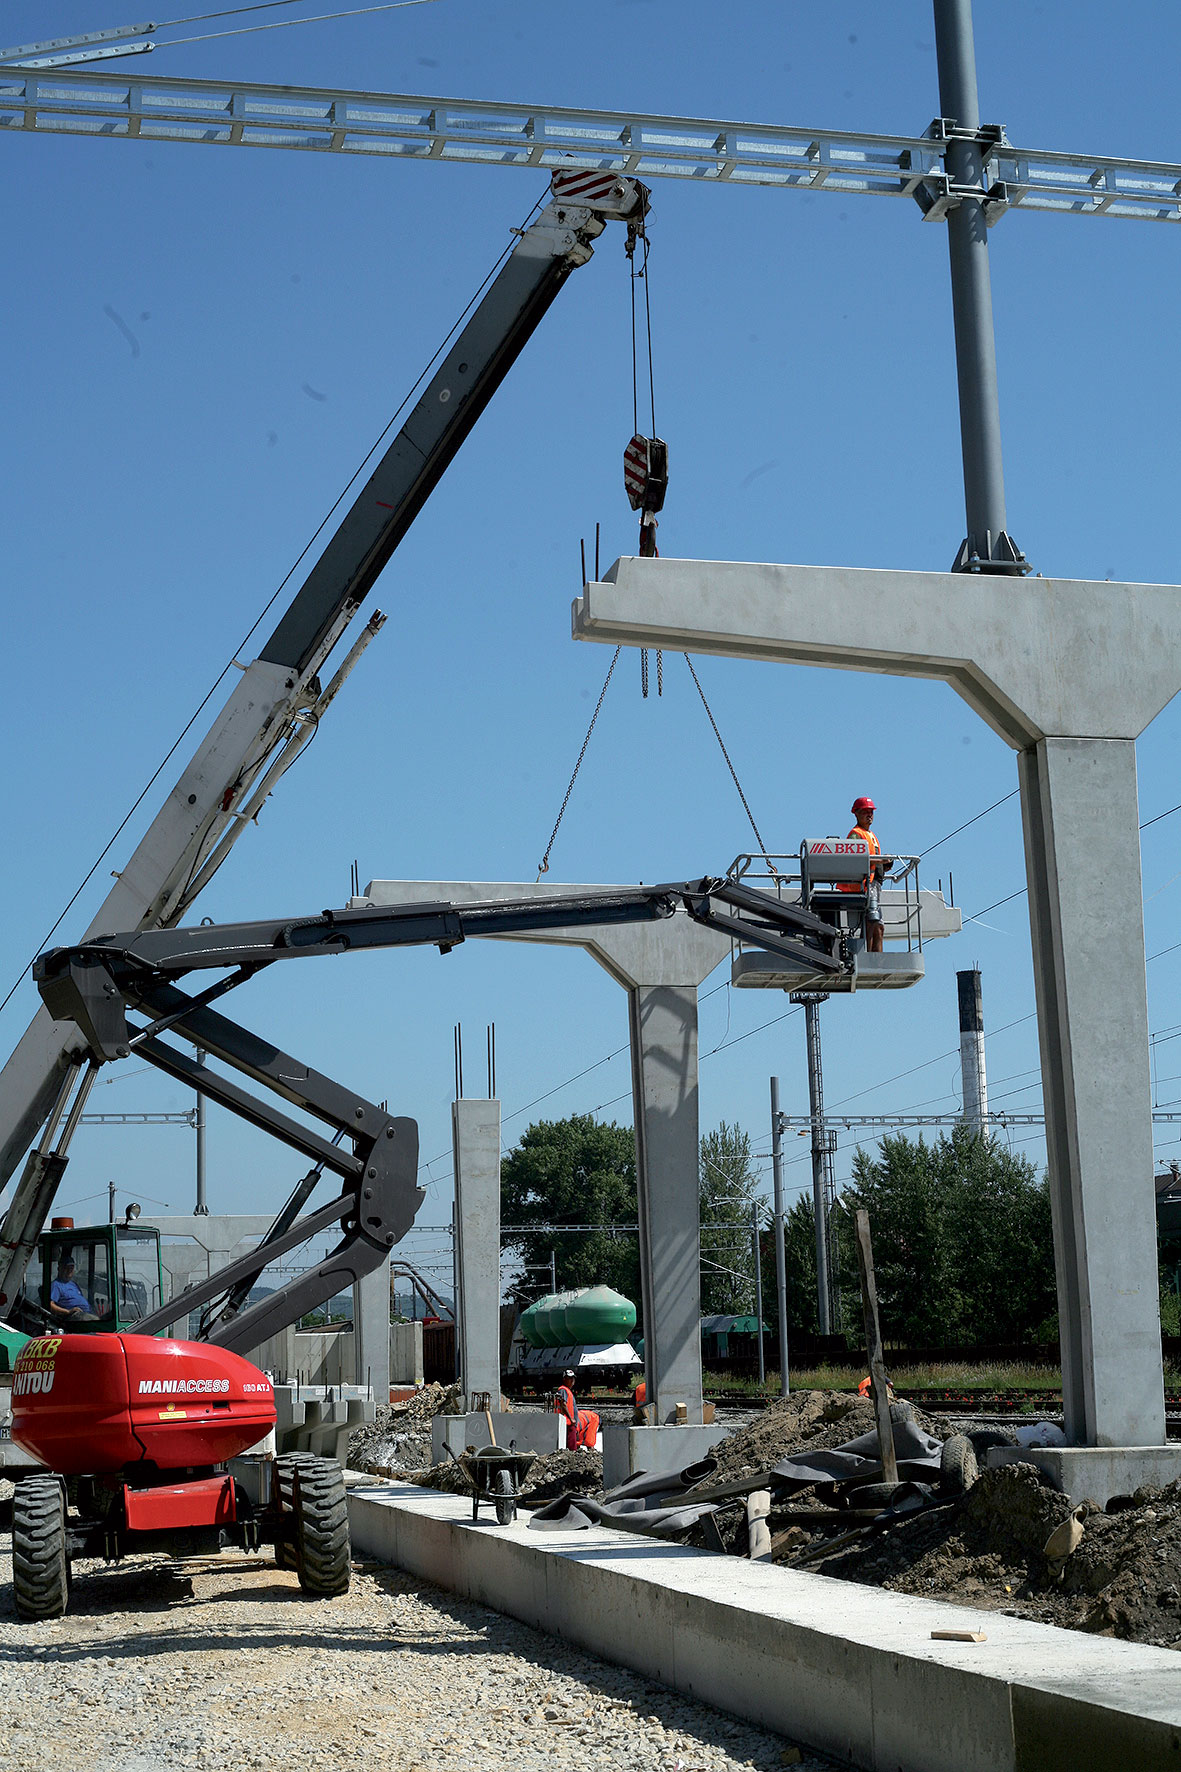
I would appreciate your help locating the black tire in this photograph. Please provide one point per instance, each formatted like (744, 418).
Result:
(322, 1528)
(503, 1498)
(958, 1468)
(286, 1465)
(40, 1567)
(871, 1495)
(985, 1438)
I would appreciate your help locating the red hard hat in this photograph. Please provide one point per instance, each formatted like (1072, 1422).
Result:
(863, 804)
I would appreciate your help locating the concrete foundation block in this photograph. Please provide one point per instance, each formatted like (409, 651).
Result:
(1096, 1473)
(850, 1670)
(525, 1430)
(627, 1450)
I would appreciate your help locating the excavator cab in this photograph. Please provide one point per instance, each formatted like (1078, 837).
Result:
(110, 1275)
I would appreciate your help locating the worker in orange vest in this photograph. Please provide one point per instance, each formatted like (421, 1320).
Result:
(582, 1425)
(866, 1386)
(863, 810)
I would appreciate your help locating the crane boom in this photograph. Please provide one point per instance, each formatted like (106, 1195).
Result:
(272, 709)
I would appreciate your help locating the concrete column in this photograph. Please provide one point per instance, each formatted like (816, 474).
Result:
(371, 1331)
(1082, 852)
(475, 1131)
(663, 1020)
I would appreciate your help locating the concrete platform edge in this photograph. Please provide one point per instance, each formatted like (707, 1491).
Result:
(849, 1670)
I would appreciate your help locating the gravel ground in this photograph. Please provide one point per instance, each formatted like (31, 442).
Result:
(222, 1663)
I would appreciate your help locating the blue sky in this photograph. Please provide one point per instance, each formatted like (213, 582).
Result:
(203, 346)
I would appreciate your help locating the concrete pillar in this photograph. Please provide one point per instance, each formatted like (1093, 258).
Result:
(371, 1331)
(1082, 853)
(475, 1131)
(663, 1022)
(1024, 654)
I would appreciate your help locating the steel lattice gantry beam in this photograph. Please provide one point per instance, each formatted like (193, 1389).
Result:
(999, 1119)
(402, 126)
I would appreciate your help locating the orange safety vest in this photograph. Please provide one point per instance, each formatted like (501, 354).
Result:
(874, 848)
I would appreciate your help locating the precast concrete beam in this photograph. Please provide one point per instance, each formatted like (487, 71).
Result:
(1069, 673)
(475, 1133)
(1035, 657)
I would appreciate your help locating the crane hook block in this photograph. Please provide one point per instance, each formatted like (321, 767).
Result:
(645, 472)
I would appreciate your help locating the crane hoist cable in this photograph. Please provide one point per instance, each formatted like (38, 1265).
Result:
(645, 460)
(729, 765)
(543, 864)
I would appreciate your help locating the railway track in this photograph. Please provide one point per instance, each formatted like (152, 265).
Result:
(988, 1408)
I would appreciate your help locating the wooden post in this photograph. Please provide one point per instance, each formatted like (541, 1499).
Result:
(873, 1348)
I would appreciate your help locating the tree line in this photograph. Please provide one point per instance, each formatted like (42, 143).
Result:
(961, 1230)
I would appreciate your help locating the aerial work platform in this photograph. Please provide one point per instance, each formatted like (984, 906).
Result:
(830, 878)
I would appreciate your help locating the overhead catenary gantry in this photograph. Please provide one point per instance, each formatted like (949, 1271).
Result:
(407, 126)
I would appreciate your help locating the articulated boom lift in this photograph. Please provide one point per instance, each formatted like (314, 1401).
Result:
(106, 1409)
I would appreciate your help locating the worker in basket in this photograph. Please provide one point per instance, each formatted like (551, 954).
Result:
(582, 1425)
(863, 810)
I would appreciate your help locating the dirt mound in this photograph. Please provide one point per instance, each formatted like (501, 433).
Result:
(400, 1437)
(564, 1473)
(807, 1421)
(1123, 1579)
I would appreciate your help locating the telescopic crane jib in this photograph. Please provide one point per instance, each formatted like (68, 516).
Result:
(278, 699)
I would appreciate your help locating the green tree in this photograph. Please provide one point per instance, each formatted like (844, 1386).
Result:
(963, 1250)
(573, 1171)
(728, 1190)
(799, 1260)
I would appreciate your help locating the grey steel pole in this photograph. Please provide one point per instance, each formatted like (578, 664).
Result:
(987, 546)
(754, 1235)
(780, 1256)
(201, 1209)
(111, 1202)
(820, 1154)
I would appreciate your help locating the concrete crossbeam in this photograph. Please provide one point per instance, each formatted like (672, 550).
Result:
(1069, 673)
(1022, 652)
(660, 966)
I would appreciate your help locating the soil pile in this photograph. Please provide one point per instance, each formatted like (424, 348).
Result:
(1123, 1579)
(807, 1421)
(399, 1440)
(563, 1473)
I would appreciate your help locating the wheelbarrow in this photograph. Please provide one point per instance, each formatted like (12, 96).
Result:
(496, 1474)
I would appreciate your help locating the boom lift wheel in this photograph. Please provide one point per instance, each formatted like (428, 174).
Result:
(286, 1551)
(40, 1567)
(321, 1528)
